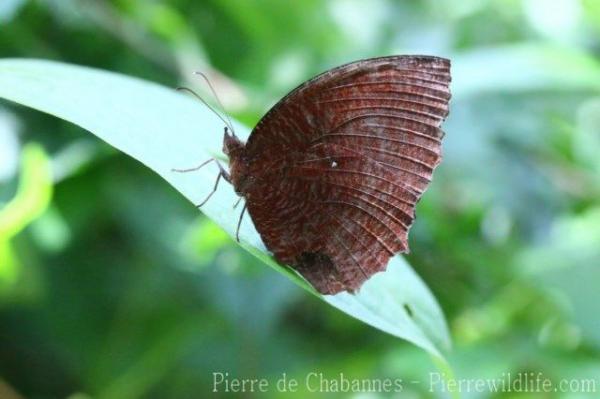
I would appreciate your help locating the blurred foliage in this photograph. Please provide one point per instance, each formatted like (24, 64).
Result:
(31, 200)
(125, 291)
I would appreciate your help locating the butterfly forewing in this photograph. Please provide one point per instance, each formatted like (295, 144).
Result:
(339, 164)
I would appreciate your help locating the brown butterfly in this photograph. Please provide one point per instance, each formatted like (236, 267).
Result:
(332, 173)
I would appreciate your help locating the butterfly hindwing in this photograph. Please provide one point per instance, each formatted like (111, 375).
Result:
(339, 164)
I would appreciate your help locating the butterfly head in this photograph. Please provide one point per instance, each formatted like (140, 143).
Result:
(232, 146)
(235, 149)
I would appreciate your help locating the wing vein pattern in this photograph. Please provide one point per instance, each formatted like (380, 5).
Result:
(351, 152)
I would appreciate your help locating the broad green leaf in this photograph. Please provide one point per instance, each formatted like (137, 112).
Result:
(165, 129)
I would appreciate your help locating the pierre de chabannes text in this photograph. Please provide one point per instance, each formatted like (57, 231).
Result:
(437, 382)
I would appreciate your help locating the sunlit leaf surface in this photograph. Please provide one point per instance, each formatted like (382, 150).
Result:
(165, 129)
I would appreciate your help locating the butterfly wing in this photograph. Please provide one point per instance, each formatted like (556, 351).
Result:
(338, 165)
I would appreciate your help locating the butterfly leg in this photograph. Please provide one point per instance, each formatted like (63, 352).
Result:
(237, 231)
(211, 193)
(237, 202)
(222, 173)
(194, 168)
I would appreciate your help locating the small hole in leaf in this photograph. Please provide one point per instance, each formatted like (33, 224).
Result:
(409, 310)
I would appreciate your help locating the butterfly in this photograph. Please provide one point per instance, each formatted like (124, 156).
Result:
(332, 173)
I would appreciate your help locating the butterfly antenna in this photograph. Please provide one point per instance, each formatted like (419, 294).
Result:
(192, 92)
(214, 92)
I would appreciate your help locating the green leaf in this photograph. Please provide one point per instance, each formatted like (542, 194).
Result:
(33, 194)
(165, 129)
(31, 200)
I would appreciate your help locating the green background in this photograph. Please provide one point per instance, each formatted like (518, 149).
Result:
(116, 287)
